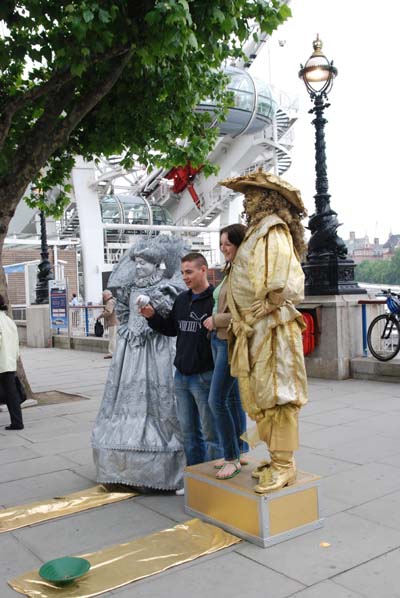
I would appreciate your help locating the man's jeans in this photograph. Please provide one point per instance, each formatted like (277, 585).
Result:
(225, 402)
(200, 437)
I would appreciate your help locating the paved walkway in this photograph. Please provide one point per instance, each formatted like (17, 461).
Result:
(349, 435)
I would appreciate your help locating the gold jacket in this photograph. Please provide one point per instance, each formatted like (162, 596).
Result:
(266, 350)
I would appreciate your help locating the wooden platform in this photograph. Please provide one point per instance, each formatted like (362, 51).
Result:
(262, 519)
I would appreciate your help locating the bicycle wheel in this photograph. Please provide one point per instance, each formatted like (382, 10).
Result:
(384, 337)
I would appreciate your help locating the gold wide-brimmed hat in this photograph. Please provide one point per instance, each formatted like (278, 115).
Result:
(266, 180)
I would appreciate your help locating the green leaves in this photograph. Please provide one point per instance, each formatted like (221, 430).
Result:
(380, 271)
(68, 48)
(87, 16)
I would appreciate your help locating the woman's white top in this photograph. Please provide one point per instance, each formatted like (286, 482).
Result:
(9, 344)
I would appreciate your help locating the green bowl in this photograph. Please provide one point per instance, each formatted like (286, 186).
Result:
(64, 570)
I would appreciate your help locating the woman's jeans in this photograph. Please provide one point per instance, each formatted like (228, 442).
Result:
(198, 426)
(224, 400)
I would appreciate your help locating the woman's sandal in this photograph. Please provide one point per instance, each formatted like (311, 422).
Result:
(221, 462)
(237, 469)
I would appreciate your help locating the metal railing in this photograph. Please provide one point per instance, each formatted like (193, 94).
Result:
(82, 318)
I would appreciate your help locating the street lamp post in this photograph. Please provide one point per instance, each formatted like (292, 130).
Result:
(328, 270)
(44, 268)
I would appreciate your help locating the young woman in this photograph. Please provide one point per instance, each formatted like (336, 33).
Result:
(224, 398)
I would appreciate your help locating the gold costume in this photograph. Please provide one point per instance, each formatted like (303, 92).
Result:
(266, 349)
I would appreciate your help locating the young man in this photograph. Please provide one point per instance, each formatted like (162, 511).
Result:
(193, 360)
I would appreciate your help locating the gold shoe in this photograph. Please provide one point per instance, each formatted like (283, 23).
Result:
(281, 473)
(277, 481)
(256, 473)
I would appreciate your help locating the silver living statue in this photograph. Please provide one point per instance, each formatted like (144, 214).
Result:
(136, 437)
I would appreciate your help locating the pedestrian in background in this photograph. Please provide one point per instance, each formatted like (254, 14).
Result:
(9, 352)
(74, 301)
(110, 321)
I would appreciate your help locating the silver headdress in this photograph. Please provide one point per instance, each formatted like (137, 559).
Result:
(166, 249)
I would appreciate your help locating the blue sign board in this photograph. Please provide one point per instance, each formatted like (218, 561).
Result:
(13, 268)
(58, 304)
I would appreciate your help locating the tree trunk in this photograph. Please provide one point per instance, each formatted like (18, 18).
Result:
(48, 134)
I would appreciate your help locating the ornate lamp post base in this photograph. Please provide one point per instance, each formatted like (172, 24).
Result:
(330, 275)
(45, 272)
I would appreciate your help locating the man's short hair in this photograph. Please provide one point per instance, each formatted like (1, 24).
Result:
(197, 258)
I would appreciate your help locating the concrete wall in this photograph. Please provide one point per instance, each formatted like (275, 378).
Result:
(21, 327)
(85, 343)
(341, 335)
(38, 326)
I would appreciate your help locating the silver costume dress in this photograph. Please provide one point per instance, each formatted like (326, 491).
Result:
(136, 437)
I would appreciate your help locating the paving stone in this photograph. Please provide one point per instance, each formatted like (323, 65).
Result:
(379, 578)
(53, 427)
(307, 427)
(390, 459)
(87, 471)
(15, 559)
(328, 589)
(376, 401)
(166, 504)
(349, 434)
(362, 484)
(330, 506)
(41, 487)
(64, 444)
(80, 457)
(353, 541)
(17, 453)
(316, 407)
(32, 467)
(333, 436)
(366, 452)
(222, 576)
(339, 416)
(321, 465)
(384, 424)
(91, 530)
(385, 510)
(85, 416)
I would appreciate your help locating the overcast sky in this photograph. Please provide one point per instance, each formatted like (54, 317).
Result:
(363, 131)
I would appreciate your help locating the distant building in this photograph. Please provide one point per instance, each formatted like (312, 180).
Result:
(391, 245)
(361, 249)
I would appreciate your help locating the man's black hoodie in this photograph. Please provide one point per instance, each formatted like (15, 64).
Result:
(185, 321)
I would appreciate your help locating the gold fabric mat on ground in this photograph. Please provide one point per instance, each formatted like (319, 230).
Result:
(22, 515)
(121, 564)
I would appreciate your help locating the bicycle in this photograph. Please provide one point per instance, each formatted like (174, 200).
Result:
(383, 335)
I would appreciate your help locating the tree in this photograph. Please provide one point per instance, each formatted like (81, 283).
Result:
(111, 76)
(90, 77)
(385, 272)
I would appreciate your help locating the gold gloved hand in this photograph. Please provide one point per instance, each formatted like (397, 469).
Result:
(260, 308)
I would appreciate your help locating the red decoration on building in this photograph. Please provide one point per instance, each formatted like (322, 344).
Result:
(183, 177)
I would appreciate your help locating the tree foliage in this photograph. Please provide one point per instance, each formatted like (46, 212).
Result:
(94, 77)
(385, 272)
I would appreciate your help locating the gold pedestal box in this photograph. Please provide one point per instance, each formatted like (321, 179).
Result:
(264, 519)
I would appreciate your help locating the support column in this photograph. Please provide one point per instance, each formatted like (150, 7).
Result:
(91, 229)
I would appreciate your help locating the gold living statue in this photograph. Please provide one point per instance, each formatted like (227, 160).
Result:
(266, 350)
